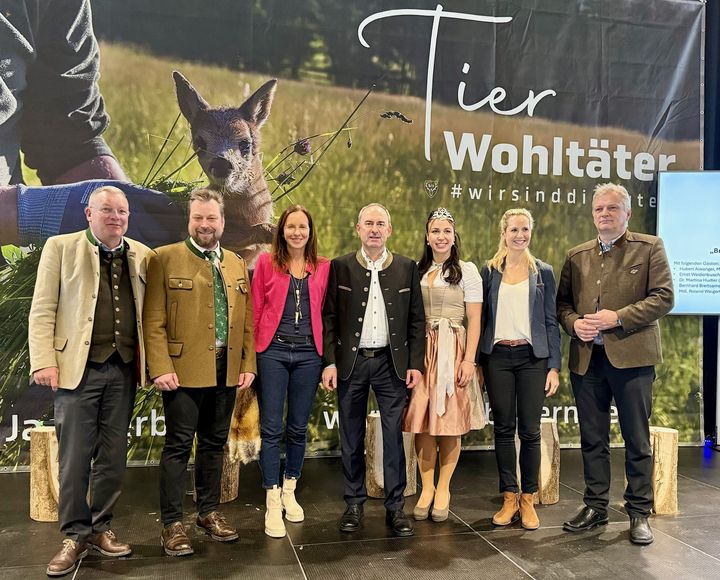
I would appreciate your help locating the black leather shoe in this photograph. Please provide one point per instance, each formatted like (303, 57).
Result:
(399, 523)
(640, 532)
(352, 519)
(587, 519)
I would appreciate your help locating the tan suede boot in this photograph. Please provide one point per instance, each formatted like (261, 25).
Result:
(274, 525)
(509, 511)
(293, 510)
(528, 515)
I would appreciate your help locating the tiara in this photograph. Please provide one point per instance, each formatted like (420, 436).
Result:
(442, 214)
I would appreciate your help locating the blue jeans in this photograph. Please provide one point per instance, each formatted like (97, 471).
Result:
(292, 371)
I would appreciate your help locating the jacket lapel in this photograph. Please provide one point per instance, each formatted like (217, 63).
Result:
(495, 289)
(532, 282)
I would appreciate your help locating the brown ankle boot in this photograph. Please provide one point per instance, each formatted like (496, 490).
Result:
(509, 511)
(528, 515)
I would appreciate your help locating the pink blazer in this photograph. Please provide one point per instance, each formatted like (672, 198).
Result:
(269, 292)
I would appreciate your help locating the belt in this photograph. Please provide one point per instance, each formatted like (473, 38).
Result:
(220, 351)
(373, 352)
(293, 339)
(514, 342)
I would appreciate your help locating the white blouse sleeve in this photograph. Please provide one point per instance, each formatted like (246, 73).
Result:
(471, 283)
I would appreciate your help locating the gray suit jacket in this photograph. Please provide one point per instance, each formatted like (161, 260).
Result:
(544, 330)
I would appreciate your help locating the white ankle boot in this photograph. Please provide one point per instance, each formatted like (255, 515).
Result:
(293, 511)
(274, 525)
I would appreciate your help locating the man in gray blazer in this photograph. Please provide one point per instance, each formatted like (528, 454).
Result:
(85, 339)
(612, 292)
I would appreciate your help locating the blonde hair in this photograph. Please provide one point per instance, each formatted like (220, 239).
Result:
(498, 260)
(610, 187)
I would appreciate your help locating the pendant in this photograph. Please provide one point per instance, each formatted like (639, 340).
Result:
(297, 317)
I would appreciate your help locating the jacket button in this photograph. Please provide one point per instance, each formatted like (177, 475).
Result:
(365, 289)
(354, 349)
(94, 296)
(367, 273)
(87, 342)
(90, 318)
(364, 303)
(210, 305)
(210, 325)
(211, 348)
(357, 334)
(360, 319)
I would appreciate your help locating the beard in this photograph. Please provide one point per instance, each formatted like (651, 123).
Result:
(206, 239)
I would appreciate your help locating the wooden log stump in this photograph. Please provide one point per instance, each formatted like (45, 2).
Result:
(44, 474)
(374, 480)
(664, 443)
(549, 475)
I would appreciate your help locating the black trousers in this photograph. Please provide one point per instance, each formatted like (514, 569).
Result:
(632, 391)
(91, 423)
(515, 383)
(391, 395)
(207, 412)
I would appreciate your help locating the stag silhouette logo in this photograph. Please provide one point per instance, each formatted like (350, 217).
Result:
(227, 143)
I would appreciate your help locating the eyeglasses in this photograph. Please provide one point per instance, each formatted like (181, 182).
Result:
(108, 211)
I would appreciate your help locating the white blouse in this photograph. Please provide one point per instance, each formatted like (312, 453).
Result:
(471, 283)
(512, 321)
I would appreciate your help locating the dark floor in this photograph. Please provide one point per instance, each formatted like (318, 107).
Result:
(466, 546)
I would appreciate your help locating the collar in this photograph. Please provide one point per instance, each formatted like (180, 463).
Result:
(606, 247)
(95, 242)
(381, 263)
(200, 252)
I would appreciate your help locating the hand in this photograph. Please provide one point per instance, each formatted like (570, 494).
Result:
(166, 382)
(412, 378)
(552, 382)
(329, 378)
(245, 380)
(603, 319)
(47, 377)
(585, 330)
(465, 373)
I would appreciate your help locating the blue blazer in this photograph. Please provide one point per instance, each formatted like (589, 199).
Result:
(544, 330)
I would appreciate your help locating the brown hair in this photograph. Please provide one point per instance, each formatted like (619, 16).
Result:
(280, 254)
(451, 267)
(204, 194)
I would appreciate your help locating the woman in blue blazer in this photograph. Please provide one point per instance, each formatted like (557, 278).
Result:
(520, 357)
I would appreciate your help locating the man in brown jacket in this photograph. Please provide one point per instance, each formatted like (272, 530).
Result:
(612, 292)
(199, 339)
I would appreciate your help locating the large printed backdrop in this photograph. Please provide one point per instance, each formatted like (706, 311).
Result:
(531, 110)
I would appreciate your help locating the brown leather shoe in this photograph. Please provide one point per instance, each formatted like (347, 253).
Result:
(214, 524)
(509, 511)
(108, 545)
(66, 560)
(174, 540)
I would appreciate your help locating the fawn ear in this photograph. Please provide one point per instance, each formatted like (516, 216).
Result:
(257, 108)
(188, 98)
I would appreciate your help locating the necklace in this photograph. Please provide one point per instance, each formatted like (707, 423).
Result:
(298, 285)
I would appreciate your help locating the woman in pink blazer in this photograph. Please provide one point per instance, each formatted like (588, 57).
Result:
(288, 289)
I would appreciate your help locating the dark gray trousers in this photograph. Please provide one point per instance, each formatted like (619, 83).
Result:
(91, 423)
